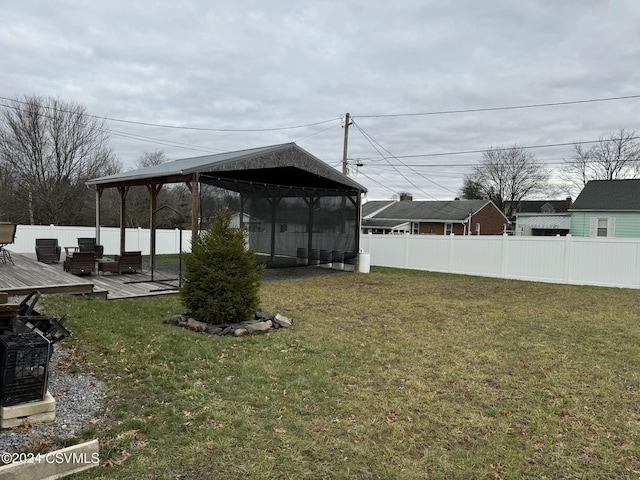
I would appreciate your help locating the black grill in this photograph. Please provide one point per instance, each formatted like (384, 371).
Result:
(25, 368)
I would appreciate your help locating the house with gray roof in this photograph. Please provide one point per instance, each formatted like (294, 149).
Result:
(542, 217)
(607, 208)
(459, 217)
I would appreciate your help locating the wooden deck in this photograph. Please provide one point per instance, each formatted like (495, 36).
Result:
(28, 275)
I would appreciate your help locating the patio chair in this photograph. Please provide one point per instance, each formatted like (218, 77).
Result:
(88, 244)
(80, 263)
(129, 261)
(7, 236)
(48, 250)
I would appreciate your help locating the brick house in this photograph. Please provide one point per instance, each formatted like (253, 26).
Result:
(460, 217)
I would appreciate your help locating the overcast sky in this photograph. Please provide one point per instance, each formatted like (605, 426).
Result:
(257, 65)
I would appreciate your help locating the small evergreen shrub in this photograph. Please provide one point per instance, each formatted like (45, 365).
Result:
(221, 280)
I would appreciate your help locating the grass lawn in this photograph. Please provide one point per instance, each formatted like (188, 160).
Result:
(393, 374)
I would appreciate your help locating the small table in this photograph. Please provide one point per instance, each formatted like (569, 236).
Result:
(68, 251)
(108, 265)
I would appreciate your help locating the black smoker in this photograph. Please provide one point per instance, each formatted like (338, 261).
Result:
(26, 346)
(25, 368)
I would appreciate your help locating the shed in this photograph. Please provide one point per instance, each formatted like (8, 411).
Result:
(298, 200)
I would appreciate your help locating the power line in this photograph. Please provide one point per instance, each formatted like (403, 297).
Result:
(177, 127)
(378, 183)
(526, 147)
(317, 133)
(495, 109)
(369, 138)
(168, 143)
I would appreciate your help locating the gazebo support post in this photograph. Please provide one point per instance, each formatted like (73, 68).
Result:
(193, 186)
(274, 207)
(98, 197)
(123, 191)
(154, 190)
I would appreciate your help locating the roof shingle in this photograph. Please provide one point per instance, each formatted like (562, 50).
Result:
(610, 195)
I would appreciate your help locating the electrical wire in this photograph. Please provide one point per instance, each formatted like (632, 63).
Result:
(378, 183)
(177, 127)
(494, 109)
(393, 156)
(168, 143)
(370, 140)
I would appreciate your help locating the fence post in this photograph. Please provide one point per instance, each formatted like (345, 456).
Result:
(637, 269)
(406, 250)
(450, 256)
(504, 256)
(567, 258)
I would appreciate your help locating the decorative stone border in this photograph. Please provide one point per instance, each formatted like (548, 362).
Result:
(261, 323)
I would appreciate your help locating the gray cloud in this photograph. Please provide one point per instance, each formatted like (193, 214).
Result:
(250, 64)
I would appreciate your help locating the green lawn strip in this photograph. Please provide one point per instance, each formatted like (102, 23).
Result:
(393, 374)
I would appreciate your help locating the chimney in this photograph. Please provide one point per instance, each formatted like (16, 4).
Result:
(568, 202)
(406, 197)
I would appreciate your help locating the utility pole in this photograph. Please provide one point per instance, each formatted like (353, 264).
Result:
(347, 121)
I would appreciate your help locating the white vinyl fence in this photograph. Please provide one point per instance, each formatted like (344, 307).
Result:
(610, 262)
(167, 241)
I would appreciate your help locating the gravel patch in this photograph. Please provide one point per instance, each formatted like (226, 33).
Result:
(78, 398)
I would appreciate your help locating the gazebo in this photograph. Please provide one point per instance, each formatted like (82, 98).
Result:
(290, 201)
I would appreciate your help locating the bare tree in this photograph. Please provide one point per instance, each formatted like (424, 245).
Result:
(614, 157)
(148, 159)
(507, 175)
(48, 150)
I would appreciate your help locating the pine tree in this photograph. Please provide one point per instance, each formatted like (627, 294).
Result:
(221, 281)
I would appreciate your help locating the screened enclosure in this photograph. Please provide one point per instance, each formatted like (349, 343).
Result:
(286, 225)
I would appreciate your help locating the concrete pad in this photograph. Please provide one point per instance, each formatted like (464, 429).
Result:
(34, 412)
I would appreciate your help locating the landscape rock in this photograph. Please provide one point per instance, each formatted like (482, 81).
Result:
(214, 329)
(282, 321)
(261, 322)
(174, 320)
(258, 327)
(195, 325)
(260, 315)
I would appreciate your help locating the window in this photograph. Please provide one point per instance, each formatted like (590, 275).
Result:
(602, 227)
(416, 228)
(448, 228)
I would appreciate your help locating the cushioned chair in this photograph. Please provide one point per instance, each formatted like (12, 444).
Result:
(80, 263)
(7, 236)
(88, 244)
(129, 261)
(48, 250)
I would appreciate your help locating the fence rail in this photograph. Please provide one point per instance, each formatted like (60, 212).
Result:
(610, 262)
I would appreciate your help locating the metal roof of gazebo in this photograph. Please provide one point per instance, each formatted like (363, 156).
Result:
(277, 165)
